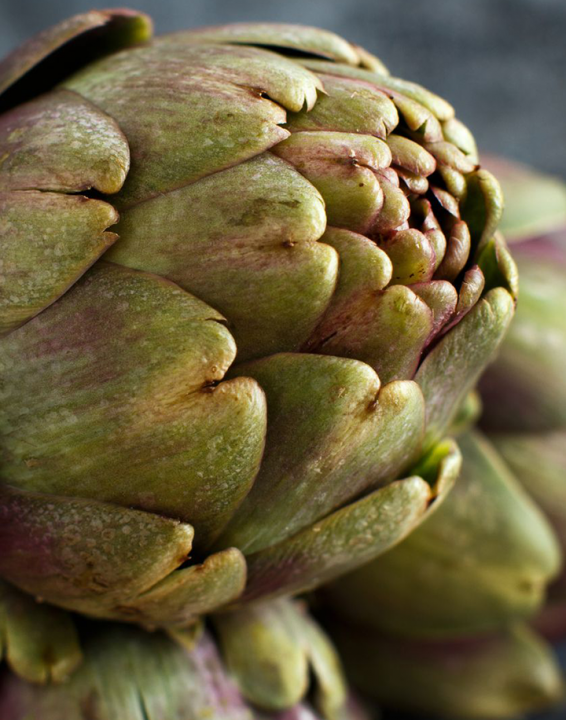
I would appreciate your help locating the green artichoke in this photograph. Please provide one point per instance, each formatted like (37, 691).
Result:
(444, 609)
(524, 392)
(503, 675)
(242, 388)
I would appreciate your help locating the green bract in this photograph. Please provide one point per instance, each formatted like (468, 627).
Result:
(249, 279)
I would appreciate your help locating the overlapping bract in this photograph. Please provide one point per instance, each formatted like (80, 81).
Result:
(258, 362)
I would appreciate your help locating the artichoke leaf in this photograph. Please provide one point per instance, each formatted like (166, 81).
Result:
(44, 59)
(459, 135)
(454, 180)
(524, 391)
(396, 210)
(333, 433)
(279, 36)
(353, 535)
(436, 105)
(421, 122)
(442, 299)
(504, 675)
(471, 289)
(412, 255)
(449, 155)
(132, 675)
(134, 576)
(121, 400)
(212, 107)
(538, 461)
(47, 241)
(61, 142)
(39, 642)
(452, 367)
(265, 654)
(456, 254)
(342, 167)
(387, 330)
(272, 648)
(245, 241)
(191, 592)
(483, 207)
(411, 156)
(83, 554)
(498, 266)
(348, 104)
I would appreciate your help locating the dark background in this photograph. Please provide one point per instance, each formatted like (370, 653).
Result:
(502, 63)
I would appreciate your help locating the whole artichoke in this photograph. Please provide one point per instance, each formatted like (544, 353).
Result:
(243, 388)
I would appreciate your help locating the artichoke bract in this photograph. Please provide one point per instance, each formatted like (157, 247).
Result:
(249, 278)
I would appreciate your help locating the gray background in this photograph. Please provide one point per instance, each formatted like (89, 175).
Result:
(502, 63)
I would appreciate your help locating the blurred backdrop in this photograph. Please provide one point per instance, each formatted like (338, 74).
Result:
(502, 63)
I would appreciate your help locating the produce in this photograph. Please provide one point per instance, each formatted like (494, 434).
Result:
(249, 279)
(524, 392)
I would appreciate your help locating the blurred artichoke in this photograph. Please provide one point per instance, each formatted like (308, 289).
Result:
(441, 609)
(242, 390)
(524, 392)
(502, 675)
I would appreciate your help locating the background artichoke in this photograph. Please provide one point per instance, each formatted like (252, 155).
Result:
(242, 390)
(524, 391)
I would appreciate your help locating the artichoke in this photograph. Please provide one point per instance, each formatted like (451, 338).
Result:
(524, 392)
(249, 279)
(445, 610)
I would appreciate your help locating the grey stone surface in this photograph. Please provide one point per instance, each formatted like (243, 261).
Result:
(502, 63)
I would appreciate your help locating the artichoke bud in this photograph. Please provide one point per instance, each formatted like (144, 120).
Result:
(233, 317)
(481, 561)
